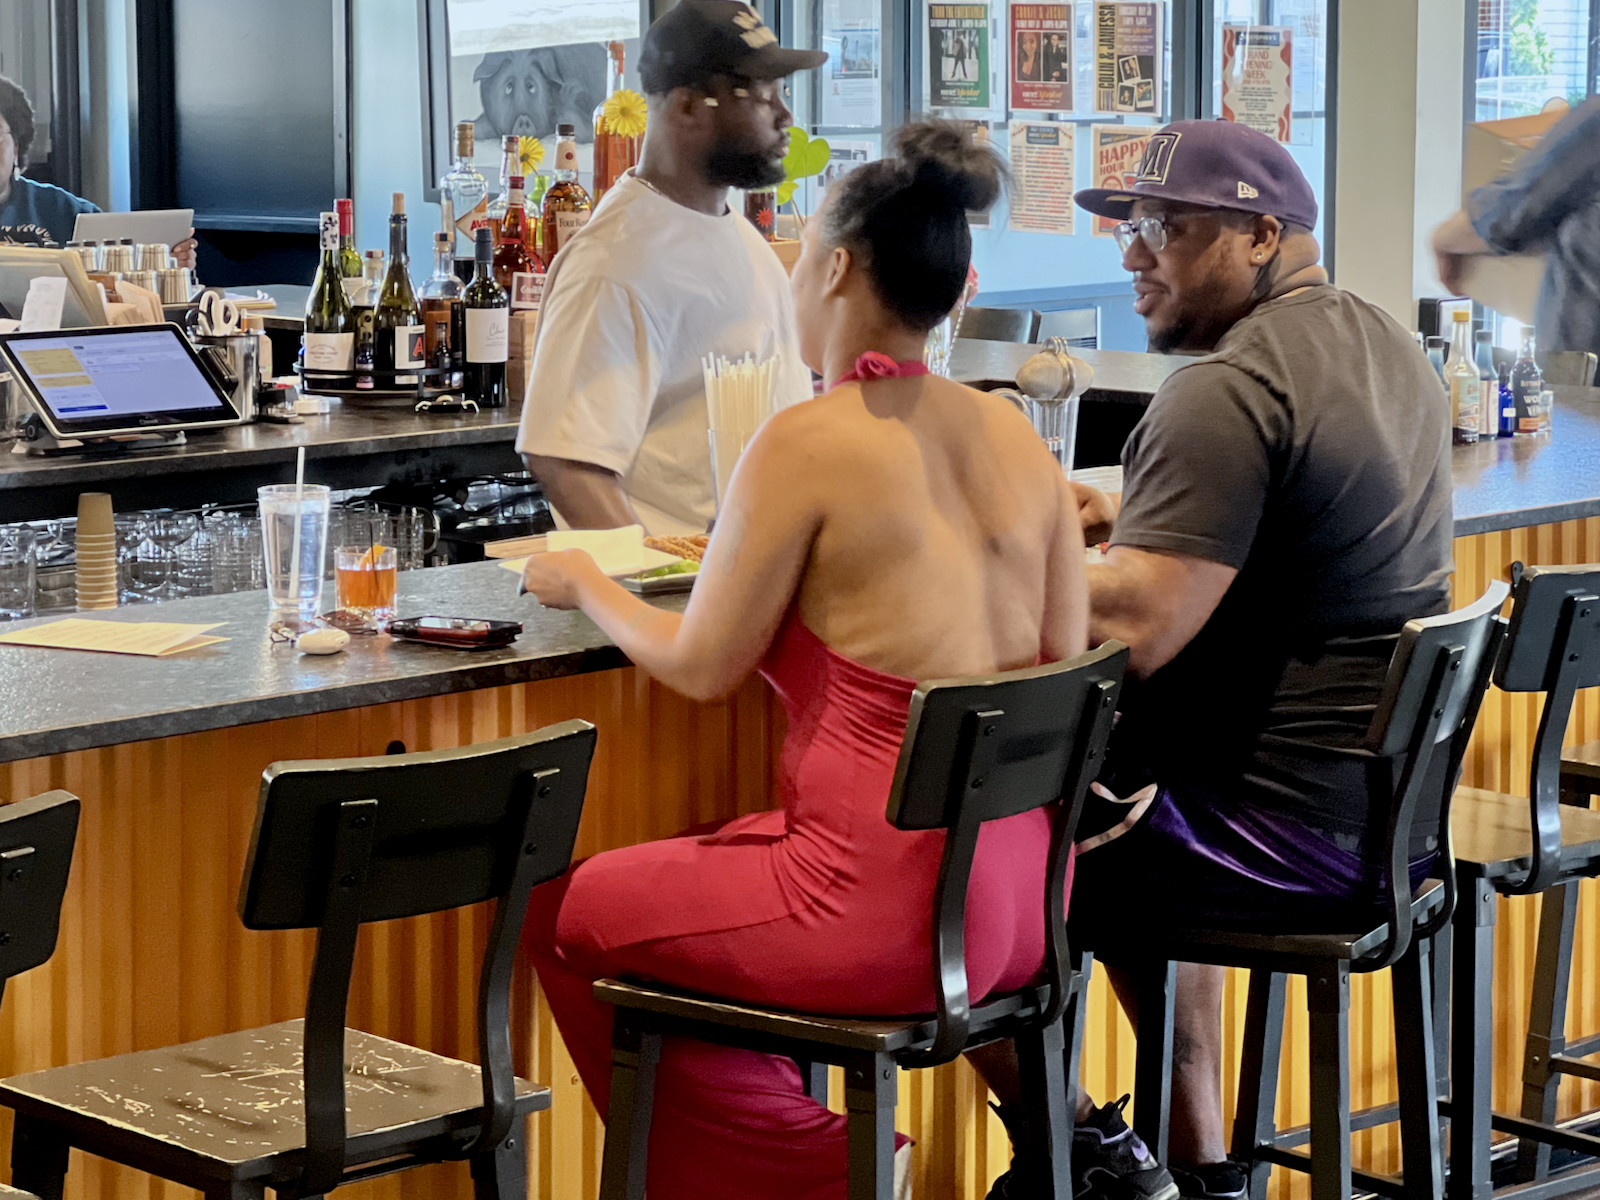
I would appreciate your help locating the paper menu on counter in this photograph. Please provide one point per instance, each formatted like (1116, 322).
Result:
(153, 639)
(617, 552)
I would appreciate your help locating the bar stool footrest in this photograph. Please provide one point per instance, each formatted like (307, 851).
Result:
(1299, 1160)
(1551, 1135)
(1571, 1063)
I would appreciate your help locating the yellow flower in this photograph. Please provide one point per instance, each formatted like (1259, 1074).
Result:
(625, 113)
(530, 153)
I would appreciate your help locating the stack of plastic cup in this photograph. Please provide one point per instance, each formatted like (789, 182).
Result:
(97, 552)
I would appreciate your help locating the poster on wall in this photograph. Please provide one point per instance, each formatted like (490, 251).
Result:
(958, 55)
(1041, 57)
(1115, 152)
(1129, 52)
(849, 81)
(1041, 177)
(1257, 78)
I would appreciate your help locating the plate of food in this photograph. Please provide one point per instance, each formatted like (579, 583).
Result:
(673, 577)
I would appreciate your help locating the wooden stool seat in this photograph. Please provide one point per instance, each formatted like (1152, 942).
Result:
(232, 1106)
(1493, 833)
(871, 1035)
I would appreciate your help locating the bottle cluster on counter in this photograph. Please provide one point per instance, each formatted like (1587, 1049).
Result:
(367, 328)
(1489, 399)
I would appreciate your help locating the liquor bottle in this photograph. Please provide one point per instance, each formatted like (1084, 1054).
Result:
(566, 204)
(397, 335)
(1527, 388)
(510, 164)
(615, 149)
(1466, 389)
(517, 267)
(488, 325)
(1506, 402)
(1483, 359)
(328, 344)
(467, 191)
(349, 257)
(1436, 348)
(442, 318)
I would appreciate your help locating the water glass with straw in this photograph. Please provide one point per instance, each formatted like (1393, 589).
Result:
(294, 539)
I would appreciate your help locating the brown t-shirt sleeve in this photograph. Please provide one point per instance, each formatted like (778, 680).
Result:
(1198, 468)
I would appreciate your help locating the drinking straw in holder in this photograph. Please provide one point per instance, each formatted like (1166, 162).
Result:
(739, 399)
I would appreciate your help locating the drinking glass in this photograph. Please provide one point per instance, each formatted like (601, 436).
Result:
(169, 530)
(365, 581)
(294, 538)
(17, 566)
(1056, 423)
(136, 578)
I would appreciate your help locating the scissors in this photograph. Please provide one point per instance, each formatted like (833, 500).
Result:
(219, 316)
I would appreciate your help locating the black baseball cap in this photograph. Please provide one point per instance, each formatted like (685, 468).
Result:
(698, 40)
(1215, 164)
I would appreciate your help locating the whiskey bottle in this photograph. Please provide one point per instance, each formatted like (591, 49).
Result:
(566, 204)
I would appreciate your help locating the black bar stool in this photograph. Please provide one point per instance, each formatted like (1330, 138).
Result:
(975, 750)
(36, 841)
(1510, 846)
(306, 1106)
(1436, 681)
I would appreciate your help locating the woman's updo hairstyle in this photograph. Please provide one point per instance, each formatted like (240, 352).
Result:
(904, 218)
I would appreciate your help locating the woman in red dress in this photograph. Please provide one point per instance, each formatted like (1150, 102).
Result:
(900, 527)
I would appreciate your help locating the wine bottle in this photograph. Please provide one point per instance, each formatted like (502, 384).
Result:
(349, 258)
(398, 339)
(442, 313)
(488, 322)
(467, 191)
(566, 204)
(328, 344)
(516, 265)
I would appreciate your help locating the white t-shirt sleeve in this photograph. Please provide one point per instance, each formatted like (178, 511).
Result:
(596, 371)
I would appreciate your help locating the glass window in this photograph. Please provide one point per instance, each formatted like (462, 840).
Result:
(27, 55)
(1531, 52)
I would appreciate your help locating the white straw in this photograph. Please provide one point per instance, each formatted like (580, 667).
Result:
(299, 499)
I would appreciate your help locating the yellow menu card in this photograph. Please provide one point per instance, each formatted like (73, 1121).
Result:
(154, 639)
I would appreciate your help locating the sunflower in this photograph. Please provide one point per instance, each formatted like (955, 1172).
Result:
(530, 153)
(625, 113)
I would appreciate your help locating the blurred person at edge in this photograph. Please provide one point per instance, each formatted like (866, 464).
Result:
(1549, 203)
(1286, 508)
(32, 213)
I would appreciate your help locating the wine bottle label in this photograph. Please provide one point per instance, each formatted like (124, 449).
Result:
(329, 227)
(566, 156)
(410, 344)
(527, 290)
(469, 222)
(568, 223)
(330, 351)
(488, 335)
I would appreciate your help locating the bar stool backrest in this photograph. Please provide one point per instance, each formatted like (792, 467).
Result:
(1435, 684)
(999, 324)
(982, 748)
(339, 842)
(1552, 646)
(36, 839)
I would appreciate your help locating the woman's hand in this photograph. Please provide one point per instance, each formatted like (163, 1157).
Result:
(557, 576)
(185, 251)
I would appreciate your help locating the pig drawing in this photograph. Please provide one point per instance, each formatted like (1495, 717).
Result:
(529, 92)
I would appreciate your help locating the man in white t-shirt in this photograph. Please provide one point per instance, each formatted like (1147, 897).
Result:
(614, 425)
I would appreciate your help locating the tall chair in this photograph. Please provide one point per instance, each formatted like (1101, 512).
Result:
(1078, 327)
(36, 840)
(1510, 846)
(999, 325)
(305, 1106)
(1436, 681)
(1568, 368)
(975, 750)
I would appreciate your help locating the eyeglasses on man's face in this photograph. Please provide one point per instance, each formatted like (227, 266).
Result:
(1152, 230)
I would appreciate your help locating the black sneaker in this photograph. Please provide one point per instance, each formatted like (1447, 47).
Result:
(1111, 1162)
(1214, 1181)
(1026, 1177)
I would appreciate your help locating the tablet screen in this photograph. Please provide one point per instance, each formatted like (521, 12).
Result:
(117, 379)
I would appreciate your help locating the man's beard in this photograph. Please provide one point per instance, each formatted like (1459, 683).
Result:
(1199, 327)
(731, 165)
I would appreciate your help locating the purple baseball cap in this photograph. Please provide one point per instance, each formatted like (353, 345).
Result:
(1216, 164)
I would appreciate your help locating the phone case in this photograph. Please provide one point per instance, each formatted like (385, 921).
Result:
(498, 633)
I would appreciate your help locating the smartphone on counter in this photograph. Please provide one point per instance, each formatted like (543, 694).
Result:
(464, 633)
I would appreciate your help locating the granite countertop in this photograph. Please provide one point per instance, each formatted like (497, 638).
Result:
(53, 701)
(1511, 482)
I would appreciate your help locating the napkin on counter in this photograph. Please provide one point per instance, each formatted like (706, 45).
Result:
(617, 552)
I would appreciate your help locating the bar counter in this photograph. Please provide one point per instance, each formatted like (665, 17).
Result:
(167, 755)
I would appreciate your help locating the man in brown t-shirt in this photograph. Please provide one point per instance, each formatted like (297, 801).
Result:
(1285, 510)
